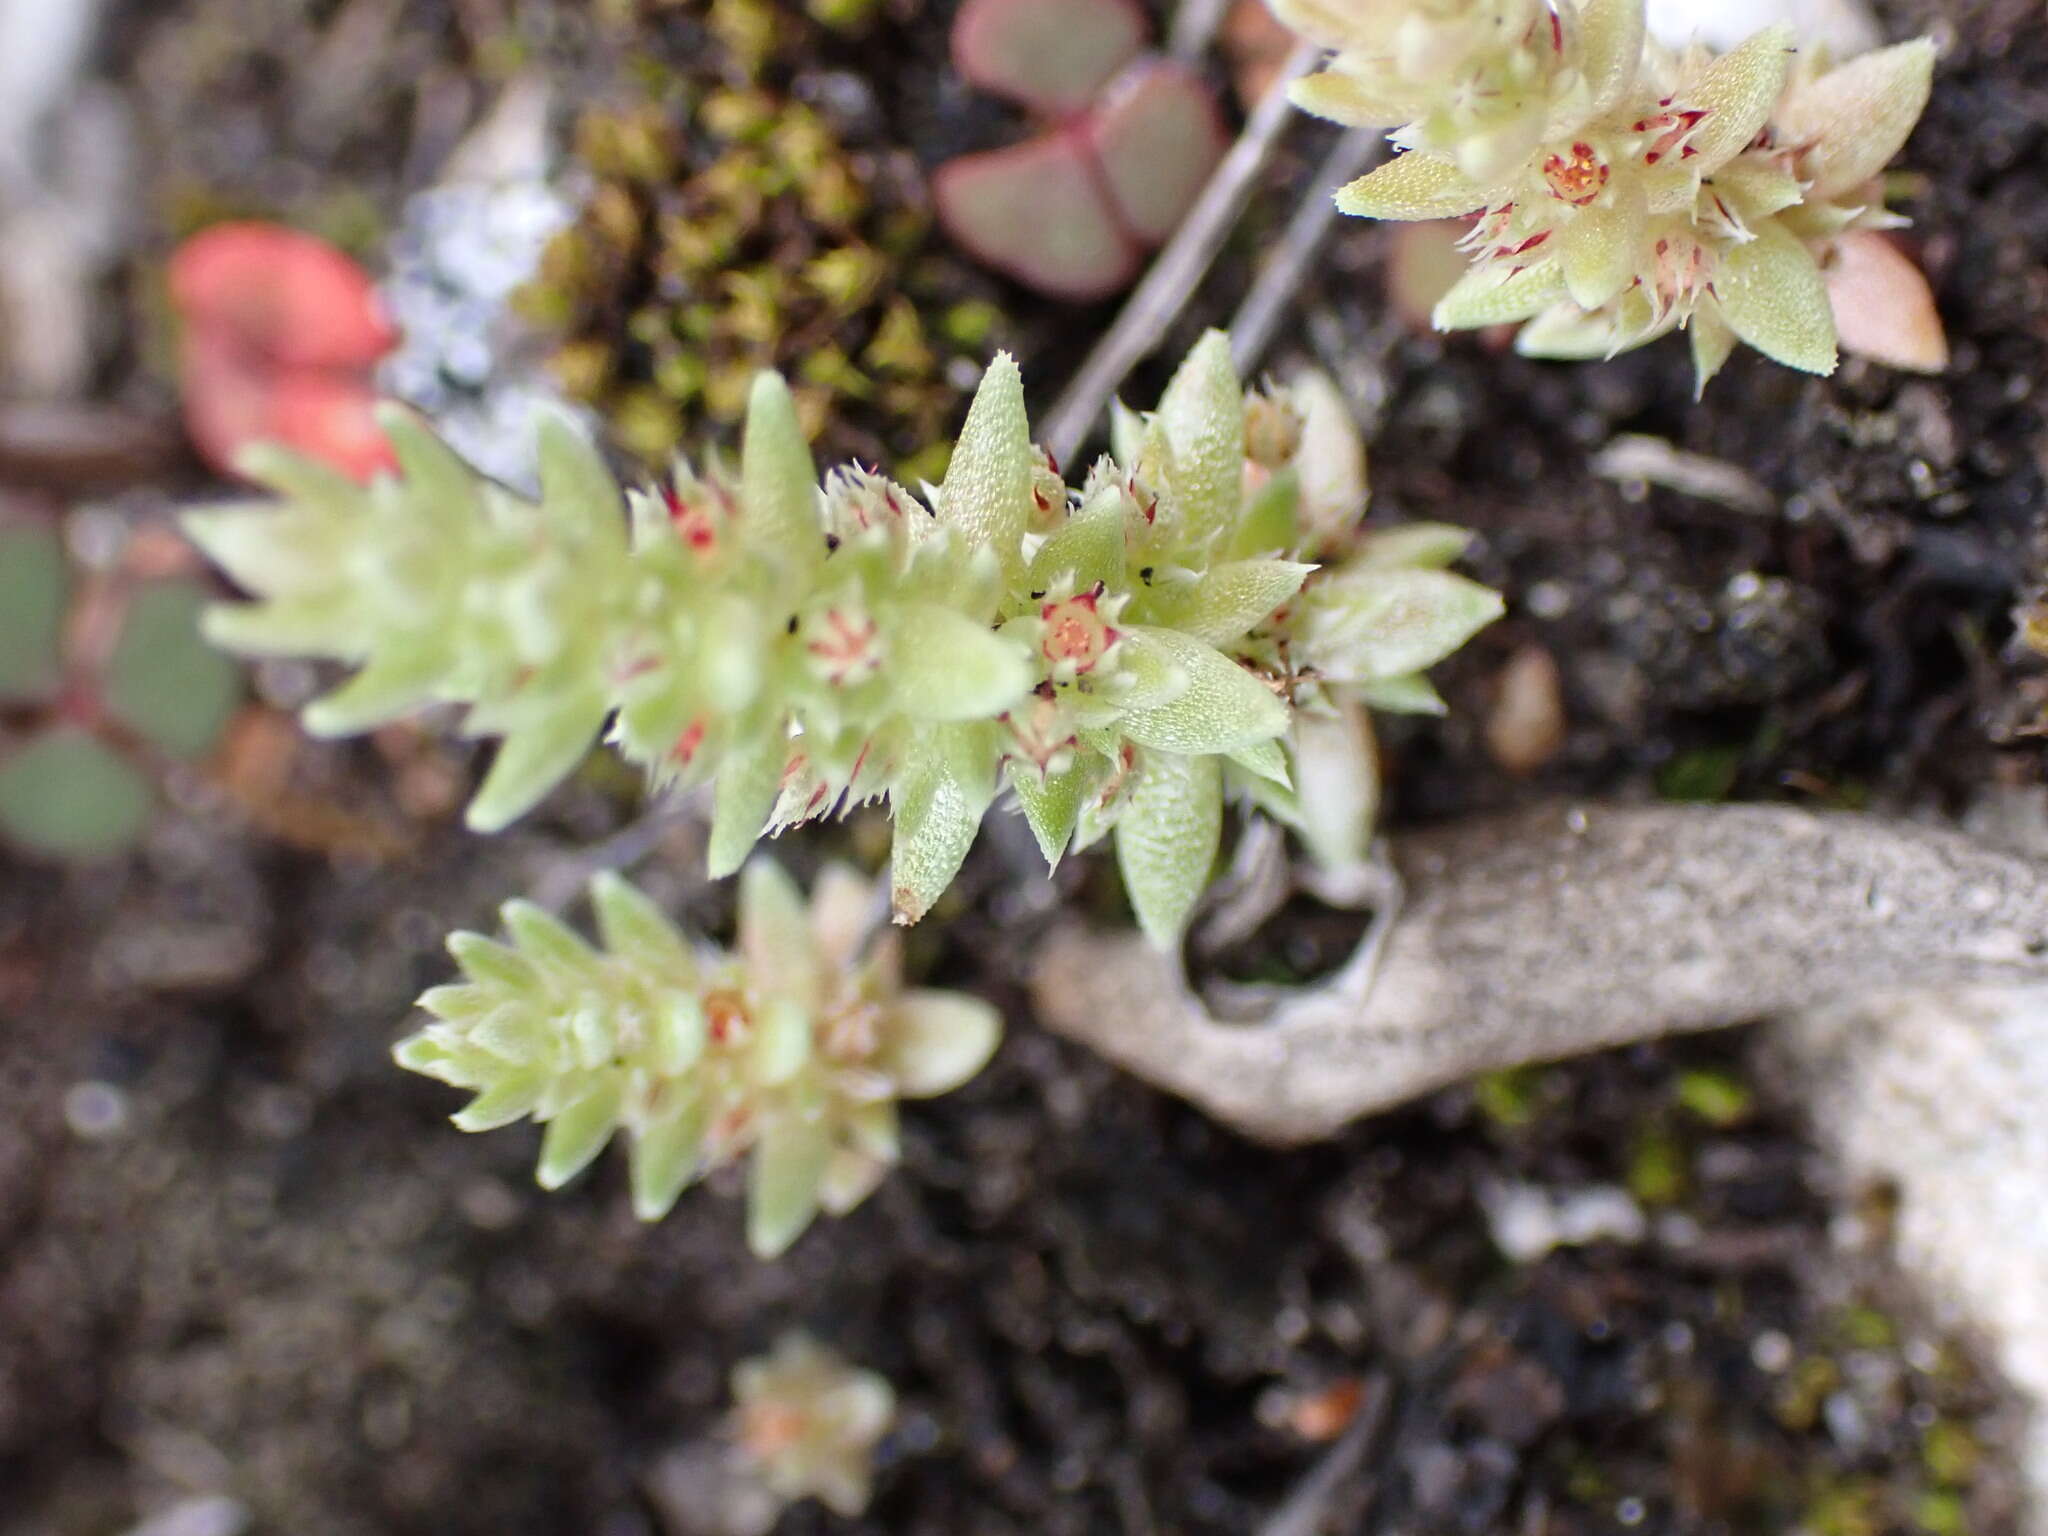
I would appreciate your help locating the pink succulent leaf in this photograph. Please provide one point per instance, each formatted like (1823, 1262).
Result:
(1038, 212)
(1052, 56)
(1158, 135)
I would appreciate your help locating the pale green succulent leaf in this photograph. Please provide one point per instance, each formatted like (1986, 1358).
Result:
(491, 964)
(778, 481)
(1485, 296)
(1264, 760)
(775, 936)
(535, 758)
(1602, 247)
(1365, 624)
(1088, 546)
(631, 925)
(1415, 185)
(935, 1041)
(783, 1181)
(578, 1133)
(395, 684)
(546, 940)
(946, 785)
(1337, 779)
(987, 492)
(1343, 98)
(743, 798)
(666, 1156)
(1417, 545)
(1738, 93)
(1859, 115)
(1202, 413)
(1051, 805)
(1413, 694)
(1166, 840)
(582, 499)
(1223, 707)
(507, 1100)
(1610, 49)
(1712, 345)
(944, 666)
(1565, 333)
(1773, 297)
(1271, 522)
(1227, 601)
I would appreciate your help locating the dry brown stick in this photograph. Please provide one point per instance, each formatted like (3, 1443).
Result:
(1159, 299)
(1277, 287)
(1553, 933)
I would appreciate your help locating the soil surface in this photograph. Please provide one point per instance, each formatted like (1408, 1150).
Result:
(241, 1254)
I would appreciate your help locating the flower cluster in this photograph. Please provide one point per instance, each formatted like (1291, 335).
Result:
(793, 1050)
(1617, 190)
(1120, 657)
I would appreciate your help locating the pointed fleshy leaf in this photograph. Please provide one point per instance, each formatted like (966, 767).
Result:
(1772, 296)
(580, 495)
(1365, 624)
(1337, 784)
(744, 798)
(935, 1041)
(783, 1181)
(576, 1135)
(1051, 806)
(533, 760)
(1566, 333)
(1712, 344)
(1738, 93)
(1415, 185)
(1166, 840)
(778, 481)
(491, 964)
(944, 666)
(1227, 601)
(1421, 545)
(508, 1099)
(987, 494)
(1088, 547)
(1483, 297)
(1265, 760)
(1602, 250)
(947, 782)
(633, 927)
(399, 681)
(1410, 695)
(1610, 51)
(1272, 518)
(1223, 707)
(546, 940)
(1882, 305)
(782, 1043)
(1345, 99)
(1859, 115)
(775, 932)
(1202, 413)
(666, 1155)
(436, 478)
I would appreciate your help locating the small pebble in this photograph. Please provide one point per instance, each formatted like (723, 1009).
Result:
(95, 1111)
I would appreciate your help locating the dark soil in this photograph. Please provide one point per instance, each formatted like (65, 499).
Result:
(241, 1253)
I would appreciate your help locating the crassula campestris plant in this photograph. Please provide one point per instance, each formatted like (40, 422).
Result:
(1617, 190)
(1204, 617)
(793, 1050)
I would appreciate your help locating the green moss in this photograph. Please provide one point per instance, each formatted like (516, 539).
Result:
(1719, 1098)
(1657, 1172)
(1950, 1452)
(1508, 1098)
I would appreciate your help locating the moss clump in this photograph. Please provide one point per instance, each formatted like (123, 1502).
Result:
(731, 227)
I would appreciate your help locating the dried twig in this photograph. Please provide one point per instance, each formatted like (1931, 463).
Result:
(1554, 933)
(1165, 291)
(1278, 284)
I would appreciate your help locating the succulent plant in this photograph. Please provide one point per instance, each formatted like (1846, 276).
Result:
(88, 708)
(1617, 190)
(1126, 142)
(728, 228)
(1120, 658)
(279, 335)
(806, 1423)
(792, 1050)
